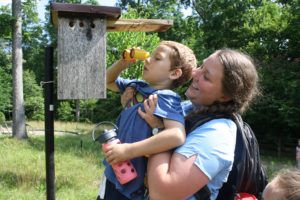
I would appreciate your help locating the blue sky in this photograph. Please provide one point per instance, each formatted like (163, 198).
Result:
(42, 3)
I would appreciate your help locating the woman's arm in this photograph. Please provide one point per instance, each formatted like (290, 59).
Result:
(173, 176)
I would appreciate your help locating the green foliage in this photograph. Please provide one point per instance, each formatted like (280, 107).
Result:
(34, 101)
(102, 110)
(292, 31)
(119, 41)
(221, 21)
(34, 40)
(265, 27)
(2, 117)
(5, 61)
(274, 165)
(87, 109)
(5, 22)
(278, 110)
(151, 9)
(65, 111)
(183, 29)
(92, 2)
(5, 91)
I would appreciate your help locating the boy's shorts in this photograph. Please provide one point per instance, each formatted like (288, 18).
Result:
(110, 192)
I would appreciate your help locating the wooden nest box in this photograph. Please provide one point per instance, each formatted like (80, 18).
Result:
(81, 43)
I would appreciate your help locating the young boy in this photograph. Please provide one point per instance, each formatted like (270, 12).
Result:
(169, 66)
(284, 186)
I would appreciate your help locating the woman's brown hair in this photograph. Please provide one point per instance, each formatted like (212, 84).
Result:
(240, 83)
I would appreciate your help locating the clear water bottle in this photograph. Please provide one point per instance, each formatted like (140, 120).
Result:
(124, 171)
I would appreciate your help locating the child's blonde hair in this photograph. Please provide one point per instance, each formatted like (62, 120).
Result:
(289, 182)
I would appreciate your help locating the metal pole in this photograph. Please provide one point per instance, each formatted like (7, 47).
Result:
(49, 124)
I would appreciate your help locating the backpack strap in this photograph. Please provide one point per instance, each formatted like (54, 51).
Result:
(191, 124)
(247, 174)
(228, 191)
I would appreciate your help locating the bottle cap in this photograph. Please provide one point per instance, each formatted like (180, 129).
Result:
(107, 135)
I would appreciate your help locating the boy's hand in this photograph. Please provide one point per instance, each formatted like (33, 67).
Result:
(116, 153)
(127, 95)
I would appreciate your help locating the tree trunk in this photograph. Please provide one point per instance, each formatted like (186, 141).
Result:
(77, 110)
(19, 129)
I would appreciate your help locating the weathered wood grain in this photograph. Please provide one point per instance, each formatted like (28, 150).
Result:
(81, 58)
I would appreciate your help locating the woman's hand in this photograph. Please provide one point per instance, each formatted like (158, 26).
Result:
(150, 106)
(116, 153)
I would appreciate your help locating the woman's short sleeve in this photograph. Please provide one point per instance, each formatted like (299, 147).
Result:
(213, 143)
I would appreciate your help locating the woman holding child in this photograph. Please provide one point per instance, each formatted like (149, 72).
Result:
(225, 83)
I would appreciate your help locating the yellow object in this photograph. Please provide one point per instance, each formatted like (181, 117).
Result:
(126, 54)
(135, 53)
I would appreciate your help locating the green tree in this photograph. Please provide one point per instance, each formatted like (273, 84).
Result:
(66, 111)
(34, 40)
(275, 115)
(5, 61)
(222, 22)
(271, 30)
(5, 91)
(292, 32)
(5, 22)
(265, 27)
(184, 27)
(34, 101)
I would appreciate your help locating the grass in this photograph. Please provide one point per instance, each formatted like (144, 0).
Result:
(61, 126)
(274, 165)
(78, 166)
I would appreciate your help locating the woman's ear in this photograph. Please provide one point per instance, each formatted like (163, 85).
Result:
(175, 74)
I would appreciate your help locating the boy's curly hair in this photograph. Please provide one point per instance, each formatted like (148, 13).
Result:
(182, 57)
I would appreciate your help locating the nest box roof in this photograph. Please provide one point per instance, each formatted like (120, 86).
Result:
(111, 14)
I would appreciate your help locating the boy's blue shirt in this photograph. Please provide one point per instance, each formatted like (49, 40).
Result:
(132, 128)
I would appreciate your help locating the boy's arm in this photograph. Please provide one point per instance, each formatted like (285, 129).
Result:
(113, 72)
(172, 136)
